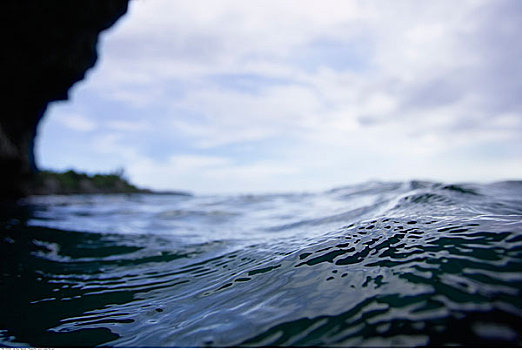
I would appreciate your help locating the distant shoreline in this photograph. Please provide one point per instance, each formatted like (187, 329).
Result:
(71, 182)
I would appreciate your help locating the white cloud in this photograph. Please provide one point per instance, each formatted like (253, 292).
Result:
(279, 94)
(209, 174)
(75, 122)
(128, 125)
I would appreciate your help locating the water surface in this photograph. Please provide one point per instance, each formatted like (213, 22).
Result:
(377, 264)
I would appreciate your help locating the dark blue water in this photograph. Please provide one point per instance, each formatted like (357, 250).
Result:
(378, 264)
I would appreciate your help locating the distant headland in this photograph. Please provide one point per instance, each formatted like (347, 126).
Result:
(50, 182)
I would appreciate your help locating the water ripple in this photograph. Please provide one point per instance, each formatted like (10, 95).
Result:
(381, 264)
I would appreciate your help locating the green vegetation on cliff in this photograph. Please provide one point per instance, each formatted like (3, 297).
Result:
(73, 182)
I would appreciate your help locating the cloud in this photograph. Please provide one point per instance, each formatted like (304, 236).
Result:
(76, 122)
(208, 174)
(281, 94)
(128, 125)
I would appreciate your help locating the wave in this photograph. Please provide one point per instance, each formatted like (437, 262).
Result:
(378, 264)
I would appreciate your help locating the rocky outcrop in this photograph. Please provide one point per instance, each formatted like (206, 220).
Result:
(72, 182)
(49, 182)
(47, 46)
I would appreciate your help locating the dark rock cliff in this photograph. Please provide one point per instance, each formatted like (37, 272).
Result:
(47, 46)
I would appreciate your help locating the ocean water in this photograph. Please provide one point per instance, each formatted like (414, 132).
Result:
(377, 264)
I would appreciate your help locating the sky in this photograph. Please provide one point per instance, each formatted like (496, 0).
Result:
(276, 95)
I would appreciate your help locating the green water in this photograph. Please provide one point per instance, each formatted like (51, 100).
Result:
(378, 264)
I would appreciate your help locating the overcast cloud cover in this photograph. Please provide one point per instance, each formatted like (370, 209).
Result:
(254, 96)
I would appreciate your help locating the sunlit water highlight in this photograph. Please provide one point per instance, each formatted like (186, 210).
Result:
(378, 264)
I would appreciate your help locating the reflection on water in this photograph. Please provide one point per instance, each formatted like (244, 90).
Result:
(378, 264)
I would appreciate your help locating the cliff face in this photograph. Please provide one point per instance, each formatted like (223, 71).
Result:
(47, 46)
